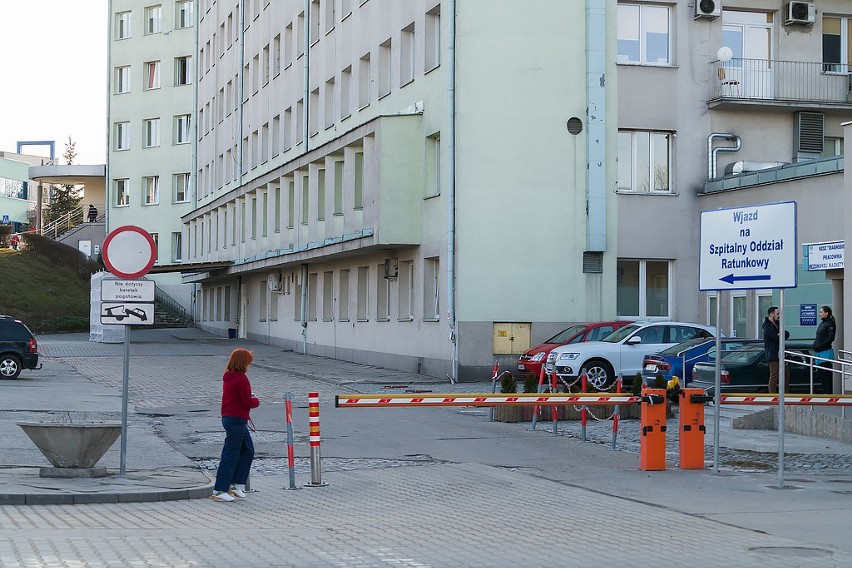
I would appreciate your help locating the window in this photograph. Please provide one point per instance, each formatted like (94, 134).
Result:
(255, 75)
(432, 55)
(312, 297)
(156, 239)
(643, 34)
(345, 8)
(644, 161)
(300, 35)
(152, 190)
(433, 165)
(291, 205)
(153, 19)
(327, 296)
(265, 64)
(243, 221)
(181, 187)
(122, 135)
(273, 306)
(406, 290)
(832, 147)
(321, 194)
(177, 247)
(276, 55)
(277, 205)
(345, 87)
(338, 187)
(183, 134)
(315, 21)
(406, 56)
(122, 25)
(122, 79)
(183, 14)
(362, 303)
(643, 288)
(264, 211)
(431, 289)
(152, 75)
(297, 301)
(330, 16)
(254, 218)
(712, 302)
(343, 296)
(122, 192)
(288, 46)
(384, 68)
(364, 81)
(287, 132)
(836, 44)
(152, 132)
(276, 135)
(739, 314)
(300, 121)
(313, 120)
(382, 295)
(305, 202)
(264, 143)
(183, 70)
(329, 103)
(359, 180)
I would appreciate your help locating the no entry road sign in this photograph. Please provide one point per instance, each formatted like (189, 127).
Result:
(129, 252)
(748, 247)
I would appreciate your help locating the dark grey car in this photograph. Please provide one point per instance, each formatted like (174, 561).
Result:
(18, 348)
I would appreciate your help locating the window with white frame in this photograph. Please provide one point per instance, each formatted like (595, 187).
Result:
(712, 303)
(345, 92)
(152, 75)
(122, 79)
(338, 187)
(363, 293)
(122, 135)
(156, 238)
(330, 15)
(644, 34)
(152, 190)
(406, 290)
(183, 70)
(177, 246)
(431, 289)
(153, 19)
(122, 25)
(183, 14)
(314, 21)
(644, 161)
(432, 55)
(385, 58)
(276, 55)
(359, 181)
(832, 146)
(739, 314)
(265, 65)
(343, 295)
(329, 104)
(406, 55)
(151, 132)
(383, 295)
(321, 194)
(643, 288)
(183, 132)
(122, 192)
(364, 81)
(836, 44)
(763, 301)
(327, 296)
(181, 184)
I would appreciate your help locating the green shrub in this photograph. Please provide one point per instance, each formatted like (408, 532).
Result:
(636, 388)
(659, 381)
(508, 384)
(61, 254)
(530, 383)
(5, 231)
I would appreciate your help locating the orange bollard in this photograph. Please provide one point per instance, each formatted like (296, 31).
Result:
(652, 447)
(691, 429)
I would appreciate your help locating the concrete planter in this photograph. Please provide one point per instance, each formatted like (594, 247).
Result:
(73, 449)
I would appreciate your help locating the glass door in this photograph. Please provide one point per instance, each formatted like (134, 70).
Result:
(750, 35)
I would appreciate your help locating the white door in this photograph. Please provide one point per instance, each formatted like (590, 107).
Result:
(750, 36)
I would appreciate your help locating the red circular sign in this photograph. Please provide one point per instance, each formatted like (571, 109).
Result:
(129, 252)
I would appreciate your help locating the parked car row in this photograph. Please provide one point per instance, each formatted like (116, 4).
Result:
(670, 362)
(532, 359)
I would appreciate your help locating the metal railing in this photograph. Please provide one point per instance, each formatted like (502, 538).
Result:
(770, 80)
(172, 307)
(69, 220)
(842, 366)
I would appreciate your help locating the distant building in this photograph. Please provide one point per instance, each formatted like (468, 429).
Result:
(18, 193)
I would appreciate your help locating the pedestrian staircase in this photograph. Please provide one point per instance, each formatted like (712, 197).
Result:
(168, 312)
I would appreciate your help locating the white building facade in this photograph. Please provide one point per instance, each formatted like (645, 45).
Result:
(396, 183)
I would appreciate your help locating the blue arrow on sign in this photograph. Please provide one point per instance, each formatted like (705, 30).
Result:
(730, 278)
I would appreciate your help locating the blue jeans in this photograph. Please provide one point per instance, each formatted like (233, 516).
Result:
(237, 454)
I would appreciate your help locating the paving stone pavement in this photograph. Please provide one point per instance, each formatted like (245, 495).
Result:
(440, 487)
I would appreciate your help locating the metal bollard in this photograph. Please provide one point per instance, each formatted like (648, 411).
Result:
(554, 412)
(314, 436)
(291, 461)
(584, 411)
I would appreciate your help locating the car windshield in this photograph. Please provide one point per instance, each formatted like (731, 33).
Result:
(620, 334)
(566, 334)
(688, 344)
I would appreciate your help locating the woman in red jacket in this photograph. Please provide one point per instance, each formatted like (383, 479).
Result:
(238, 451)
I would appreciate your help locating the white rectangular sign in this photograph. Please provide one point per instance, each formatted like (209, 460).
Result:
(127, 290)
(127, 313)
(748, 247)
(825, 256)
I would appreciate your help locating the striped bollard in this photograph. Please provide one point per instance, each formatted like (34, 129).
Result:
(291, 460)
(493, 389)
(616, 413)
(313, 420)
(584, 410)
(554, 411)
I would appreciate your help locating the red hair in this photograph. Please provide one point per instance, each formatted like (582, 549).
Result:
(239, 360)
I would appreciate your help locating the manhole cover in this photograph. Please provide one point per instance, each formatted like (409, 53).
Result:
(797, 551)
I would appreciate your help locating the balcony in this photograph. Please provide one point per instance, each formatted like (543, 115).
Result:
(747, 83)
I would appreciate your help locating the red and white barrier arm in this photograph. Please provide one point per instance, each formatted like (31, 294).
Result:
(792, 399)
(484, 399)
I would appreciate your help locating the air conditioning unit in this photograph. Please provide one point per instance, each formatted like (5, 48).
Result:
(799, 13)
(708, 9)
(273, 282)
(391, 267)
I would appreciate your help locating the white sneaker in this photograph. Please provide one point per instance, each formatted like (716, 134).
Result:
(238, 491)
(222, 496)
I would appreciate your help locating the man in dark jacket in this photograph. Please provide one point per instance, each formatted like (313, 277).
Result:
(771, 344)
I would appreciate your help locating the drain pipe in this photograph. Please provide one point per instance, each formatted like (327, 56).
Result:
(303, 320)
(451, 189)
(711, 151)
(306, 96)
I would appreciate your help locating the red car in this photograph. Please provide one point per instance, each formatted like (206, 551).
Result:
(532, 359)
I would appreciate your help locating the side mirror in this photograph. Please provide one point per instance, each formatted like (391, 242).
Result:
(635, 340)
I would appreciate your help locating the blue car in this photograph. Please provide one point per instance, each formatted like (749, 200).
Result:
(669, 362)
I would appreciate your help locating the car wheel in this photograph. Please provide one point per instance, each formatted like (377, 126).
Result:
(10, 367)
(599, 374)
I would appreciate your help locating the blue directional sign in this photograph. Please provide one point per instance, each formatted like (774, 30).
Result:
(748, 247)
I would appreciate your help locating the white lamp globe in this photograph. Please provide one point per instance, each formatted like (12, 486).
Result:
(725, 54)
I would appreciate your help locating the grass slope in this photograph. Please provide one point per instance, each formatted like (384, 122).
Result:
(45, 295)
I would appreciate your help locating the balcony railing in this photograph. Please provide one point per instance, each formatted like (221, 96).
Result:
(781, 82)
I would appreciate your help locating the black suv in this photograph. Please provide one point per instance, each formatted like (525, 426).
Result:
(18, 348)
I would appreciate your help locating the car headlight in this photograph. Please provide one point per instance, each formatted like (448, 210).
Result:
(568, 356)
(551, 357)
(538, 356)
